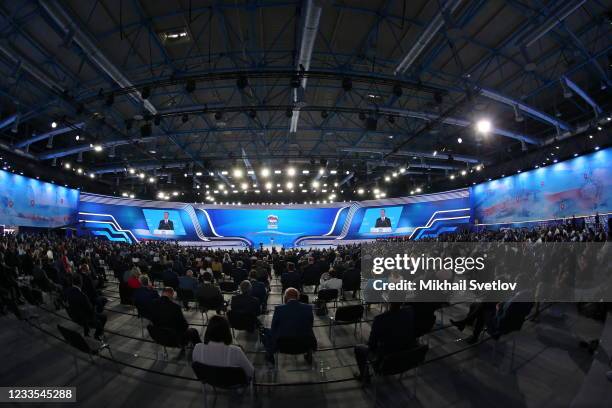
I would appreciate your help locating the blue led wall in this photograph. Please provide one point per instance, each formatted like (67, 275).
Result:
(31, 203)
(579, 187)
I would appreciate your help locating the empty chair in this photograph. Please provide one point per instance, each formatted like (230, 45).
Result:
(352, 314)
(227, 378)
(210, 304)
(165, 338)
(74, 339)
(228, 287)
(328, 295)
(242, 321)
(400, 363)
(185, 296)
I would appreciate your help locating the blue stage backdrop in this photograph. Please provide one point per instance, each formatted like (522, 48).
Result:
(579, 186)
(32, 203)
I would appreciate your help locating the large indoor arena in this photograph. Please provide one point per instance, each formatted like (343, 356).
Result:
(306, 203)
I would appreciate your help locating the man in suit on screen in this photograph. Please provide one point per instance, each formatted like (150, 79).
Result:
(383, 221)
(166, 223)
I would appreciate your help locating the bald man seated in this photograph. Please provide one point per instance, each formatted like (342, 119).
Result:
(293, 319)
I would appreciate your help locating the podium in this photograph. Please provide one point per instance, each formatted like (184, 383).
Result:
(381, 230)
(163, 232)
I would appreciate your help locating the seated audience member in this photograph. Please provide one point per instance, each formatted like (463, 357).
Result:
(81, 309)
(258, 290)
(188, 281)
(291, 278)
(144, 297)
(89, 289)
(293, 319)
(169, 277)
(392, 332)
(329, 280)
(167, 314)
(239, 273)
(209, 294)
(245, 302)
(218, 350)
(134, 281)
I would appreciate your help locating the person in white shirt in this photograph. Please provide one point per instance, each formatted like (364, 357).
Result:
(218, 350)
(329, 280)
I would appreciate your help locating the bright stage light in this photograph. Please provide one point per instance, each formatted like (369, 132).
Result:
(483, 126)
(265, 172)
(291, 171)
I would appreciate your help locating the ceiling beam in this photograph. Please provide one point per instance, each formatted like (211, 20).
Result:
(54, 132)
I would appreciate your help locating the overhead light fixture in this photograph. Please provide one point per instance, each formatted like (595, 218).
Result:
(54, 124)
(238, 173)
(483, 126)
(459, 140)
(291, 171)
(151, 179)
(435, 153)
(98, 148)
(265, 172)
(315, 184)
(268, 185)
(289, 185)
(360, 191)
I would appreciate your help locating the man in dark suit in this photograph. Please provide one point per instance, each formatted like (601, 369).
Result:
(291, 279)
(245, 302)
(209, 295)
(392, 331)
(290, 320)
(166, 224)
(383, 221)
(81, 310)
(311, 273)
(144, 297)
(167, 314)
(239, 273)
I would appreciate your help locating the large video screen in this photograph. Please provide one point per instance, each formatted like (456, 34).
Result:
(580, 186)
(274, 226)
(380, 220)
(32, 203)
(164, 222)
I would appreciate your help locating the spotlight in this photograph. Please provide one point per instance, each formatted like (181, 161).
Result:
(268, 185)
(360, 191)
(289, 185)
(151, 179)
(67, 165)
(265, 172)
(98, 148)
(53, 124)
(483, 126)
(244, 186)
(291, 171)
(435, 153)
(315, 184)
(237, 173)
(459, 140)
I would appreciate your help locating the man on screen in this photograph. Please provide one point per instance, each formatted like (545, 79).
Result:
(383, 221)
(166, 224)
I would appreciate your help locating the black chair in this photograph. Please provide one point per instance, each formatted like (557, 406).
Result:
(399, 363)
(210, 304)
(74, 339)
(352, 314)
(351, 284)
(185, 296)
(227, 378)
(125, 294)
(328, 295)
(294, 346)
(242, 321)
(228, 287)
(513, 321)
(165, 337)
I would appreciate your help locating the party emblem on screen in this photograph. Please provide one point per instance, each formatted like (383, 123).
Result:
(272, 221)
